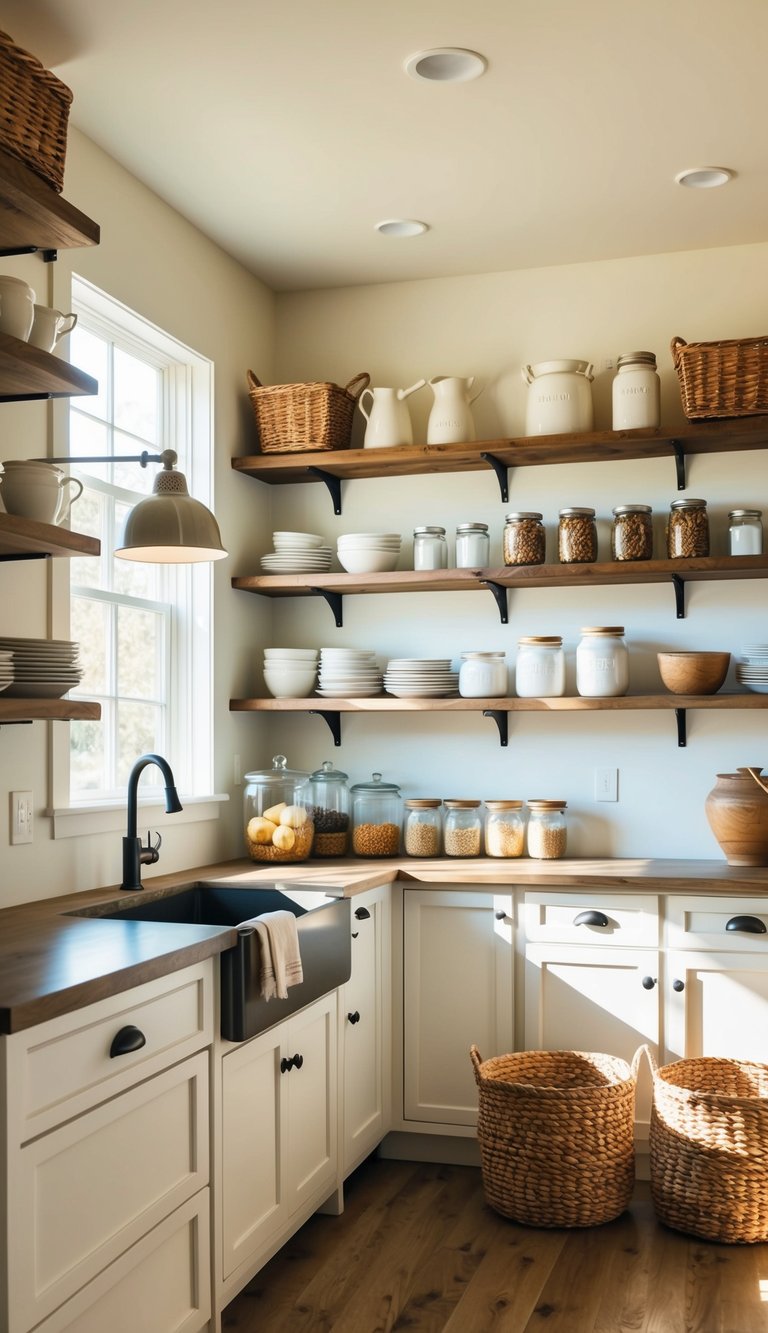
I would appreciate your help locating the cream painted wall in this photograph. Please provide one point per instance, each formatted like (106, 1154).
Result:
(157, 263)
(489, 326)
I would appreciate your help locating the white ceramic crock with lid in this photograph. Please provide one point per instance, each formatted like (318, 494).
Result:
(559, 397)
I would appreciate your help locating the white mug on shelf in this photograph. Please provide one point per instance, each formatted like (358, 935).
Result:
(17, 307)
(49, 326)
(38, 491)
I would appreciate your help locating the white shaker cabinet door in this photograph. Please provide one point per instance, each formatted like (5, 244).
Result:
(716, 1004)
(365, 1005)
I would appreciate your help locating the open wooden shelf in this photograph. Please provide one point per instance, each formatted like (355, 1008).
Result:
(50, 710)
(23, 537)
(27, 372)
(33, 216)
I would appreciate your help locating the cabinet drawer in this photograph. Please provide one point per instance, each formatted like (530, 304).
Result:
(162, 1285)
(621, 919)
(702, 923)
(92, 1188)
(61, 1068)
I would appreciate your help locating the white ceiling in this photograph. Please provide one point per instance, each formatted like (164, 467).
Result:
(285, 129)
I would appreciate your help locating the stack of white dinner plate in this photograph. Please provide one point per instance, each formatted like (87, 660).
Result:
(6, 669)
(752, 671)
(297, 553)
(42, 668)
(420, 677)
(369, 552)
(351, 672)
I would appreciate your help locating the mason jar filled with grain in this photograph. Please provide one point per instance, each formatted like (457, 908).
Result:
(463, 828)
(577, 536)
(687, 529)
(504, 828)
(524, 538)
(422, 827)
(547, 831)
(632, 533)
(375, 818)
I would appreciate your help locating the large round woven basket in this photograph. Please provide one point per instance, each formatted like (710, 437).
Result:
(556, 1133)
(709, 1148)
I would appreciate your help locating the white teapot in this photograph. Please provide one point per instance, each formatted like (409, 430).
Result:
(450, 420)
(389, 421)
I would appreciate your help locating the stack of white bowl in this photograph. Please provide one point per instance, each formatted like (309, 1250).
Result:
(297, 553)
(369, 552)
(290, 673)
(752, 671)
(349, 671)
(420, 677)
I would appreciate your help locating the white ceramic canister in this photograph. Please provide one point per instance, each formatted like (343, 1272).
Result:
(636, 392)
(473, 546)
(745, 531)
(430, 549)
(602, 662)
(483, 675)
(540, 667)
(559, 397)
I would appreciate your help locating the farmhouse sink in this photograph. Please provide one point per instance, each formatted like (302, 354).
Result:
(323, 924)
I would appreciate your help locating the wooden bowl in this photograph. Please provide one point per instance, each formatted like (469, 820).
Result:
(694, 672)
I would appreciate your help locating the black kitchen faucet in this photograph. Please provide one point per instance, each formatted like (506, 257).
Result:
(134, 855)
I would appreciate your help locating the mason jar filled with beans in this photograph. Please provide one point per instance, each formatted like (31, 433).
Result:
(524, 539)
(577, 537)
(375, 818)
(329, 809)
(687, 529)
(504, 828)
(462, 828)
(547, 833)
(632, 533)
(421, 827)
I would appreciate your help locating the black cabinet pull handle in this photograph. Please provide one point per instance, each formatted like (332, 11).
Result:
(751, 925)
(678, 985)
(362, 913)
(355, 934)
(285, 1065)
(355, 1017)
(648, 983)
(591, 918)
(298, 1061)
(126, 1041)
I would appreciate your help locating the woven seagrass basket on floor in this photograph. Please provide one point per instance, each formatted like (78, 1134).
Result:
(294, 418)
(722, 379)
(556, 1133)
(709, 1148)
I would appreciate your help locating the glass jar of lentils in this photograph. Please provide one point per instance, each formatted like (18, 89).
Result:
(462, 828)
(547, 832)
(421, 827)
(524, 538)
(577, 537)
(375, 818)
(632, 533)
(687, 529)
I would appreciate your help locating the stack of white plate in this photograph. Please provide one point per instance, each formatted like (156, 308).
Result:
(420, 677)
(6, 670)
(369, 552)
(297, 553)
(348, 671)
(753, 668)
(42, 668)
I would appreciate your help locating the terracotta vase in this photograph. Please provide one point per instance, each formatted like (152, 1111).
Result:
(737, 810)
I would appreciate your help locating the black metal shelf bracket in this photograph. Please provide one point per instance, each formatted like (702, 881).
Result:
(501, 470)
(335, 601)
(333, 719)
(682, 737)
(500, 595)
(501, 718)
(679, 587)
(333, 484)
(50, 256)
(679, 451)
(27, 555)
(10, 250)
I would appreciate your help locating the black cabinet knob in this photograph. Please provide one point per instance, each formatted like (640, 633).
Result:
(362, 913)
(285, 1065)
(298, 1061)
(751, 925)
(354, 1018)
(649, 983)
(127, 1040)
(500, 916)
(591, 918)
(678, 985)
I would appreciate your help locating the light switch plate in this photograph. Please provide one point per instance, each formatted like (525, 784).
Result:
(606, 784)
(21, 817)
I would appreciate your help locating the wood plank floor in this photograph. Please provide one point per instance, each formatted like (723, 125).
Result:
(417, 1248)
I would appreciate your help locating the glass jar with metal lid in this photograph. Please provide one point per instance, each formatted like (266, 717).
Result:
(329, 808)
(632, 532)
(577, 536)
(463, 828)
(524, 538)
(375, 818)
(745, 531)
(278, 820)
(421, 827)
(473, 546)
(540, 667)
(430, 549)
(687, 529)
(636, 391)
(602, 662)
(547, 830)
(504, 828)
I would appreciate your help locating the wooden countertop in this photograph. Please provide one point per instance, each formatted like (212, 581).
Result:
(52, 962)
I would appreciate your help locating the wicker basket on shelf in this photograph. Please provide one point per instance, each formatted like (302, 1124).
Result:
(34, 110)
(709, 1148)
(292, 418)
(556, 1134)
(722, 379)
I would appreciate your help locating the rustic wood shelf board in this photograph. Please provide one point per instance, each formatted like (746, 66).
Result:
(26, 372)
(25, 537)
(50, 710)
(385, 703)
(33, 215)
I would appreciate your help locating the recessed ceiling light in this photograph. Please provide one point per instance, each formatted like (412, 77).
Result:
(402, 227)
(446, 64)
(704, 178)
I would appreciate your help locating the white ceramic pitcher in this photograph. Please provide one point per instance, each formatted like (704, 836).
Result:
(388, 419)
(450, 420)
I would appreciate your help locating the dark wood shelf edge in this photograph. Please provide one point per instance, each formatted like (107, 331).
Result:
(32, 213)
(25, 537)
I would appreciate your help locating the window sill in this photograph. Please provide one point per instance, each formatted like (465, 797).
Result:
(78, 821)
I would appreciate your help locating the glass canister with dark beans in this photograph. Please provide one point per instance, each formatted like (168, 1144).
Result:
(524, 538)
(687, 529)
(577, 537)
(632, 533)
(329, 808)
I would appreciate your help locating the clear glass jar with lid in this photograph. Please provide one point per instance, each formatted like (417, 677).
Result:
(745, 531)
(463, 828)
(577, 536)
(376, 818)
(422, 827)
(636, 391)
(278, 821)
(329, 809)
(547, 834)
(687, 529)
(632, 532)
(540, 667)
(602, 662)
(430, 549)
(483, 675)
(524, 538)
(473, 546)
(504, 828)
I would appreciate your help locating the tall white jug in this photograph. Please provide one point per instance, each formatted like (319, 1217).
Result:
(388, 418)
(450, 420)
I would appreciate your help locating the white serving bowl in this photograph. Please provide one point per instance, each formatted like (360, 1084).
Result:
(309, 539)
(375, 544)
(368, 562)
(290, 682)
(370, 536)
(292, 654)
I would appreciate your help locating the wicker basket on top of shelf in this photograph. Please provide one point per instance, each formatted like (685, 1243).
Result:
(294, 418)
(34, 111)
(722, 379)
